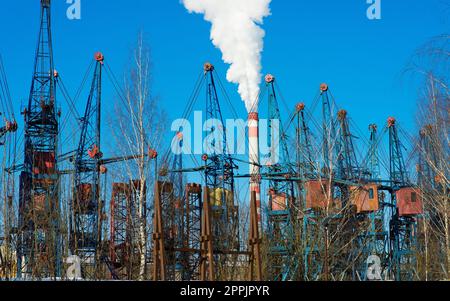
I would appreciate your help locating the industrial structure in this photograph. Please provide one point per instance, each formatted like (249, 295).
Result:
(313, 208)
(39, 250)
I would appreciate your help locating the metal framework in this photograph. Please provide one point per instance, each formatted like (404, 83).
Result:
(200, 227)
(219, 178)
(180, 264)
(372, 241)
(181, 215)
(190, 226)
(86, 205)
(40, 247)
(10, 127)
(328, 127)
(124, 251)
(333, 208)
(281, 236)
(348, 167)
(307, 170)
(403, 229)
(318, 190)
(7, 111)
(344, 248)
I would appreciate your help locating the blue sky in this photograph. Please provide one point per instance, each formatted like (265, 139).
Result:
(307, 42)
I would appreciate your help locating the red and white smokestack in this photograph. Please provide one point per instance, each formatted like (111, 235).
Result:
(253, 144)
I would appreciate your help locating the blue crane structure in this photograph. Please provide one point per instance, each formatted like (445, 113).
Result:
(347, 184)
(406, 207)
(347, 163)
(219, 165)
(306, 168)
(7, 111)
(281, 236)
(184, 262)
(372, 241)
(182, 216)
(219, 169)
(338, 198)
(39, 249)
(86, 205)
(178, 263)
(307, 171)
(204, 226)
(317, 192)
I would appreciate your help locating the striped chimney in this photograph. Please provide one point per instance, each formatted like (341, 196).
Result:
(253, 144)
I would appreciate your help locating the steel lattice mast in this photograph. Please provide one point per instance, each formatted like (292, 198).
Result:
(219, 179)
(305, 163)
(318, 192)
(181, 215)
(374, 172)
(372, 242)
(86, 206)
(177, 262)
(406, 206)
(398, 173)
(39, 246)
(346, 177)
(328, 128)
(219, 170)
(180, 269)
(283, 265)
(347, 162)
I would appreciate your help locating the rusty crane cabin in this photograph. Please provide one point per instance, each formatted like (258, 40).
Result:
(409, 201)
(85, 201)
(365, 198)
(44, 165)
(278, 201)
(318, 195)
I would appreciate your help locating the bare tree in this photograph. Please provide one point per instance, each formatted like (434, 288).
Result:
(430, 67)
(137, 129)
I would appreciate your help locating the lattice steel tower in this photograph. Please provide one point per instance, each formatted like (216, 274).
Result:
(86, 207)
(282, 263)
(406, 206)
(39, 246)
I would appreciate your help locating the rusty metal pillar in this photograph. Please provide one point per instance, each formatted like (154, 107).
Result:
(159, 258)
(207, 272)
(254, 242)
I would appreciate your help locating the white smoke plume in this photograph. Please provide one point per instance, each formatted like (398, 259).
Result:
(237, 33)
